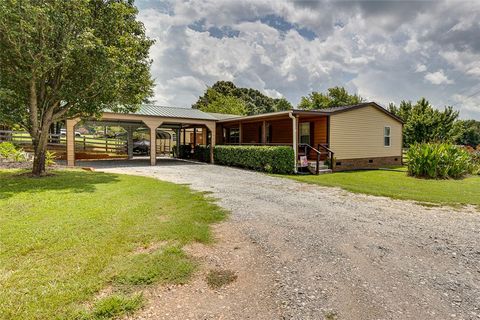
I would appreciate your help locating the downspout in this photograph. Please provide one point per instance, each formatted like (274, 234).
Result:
(294, 140)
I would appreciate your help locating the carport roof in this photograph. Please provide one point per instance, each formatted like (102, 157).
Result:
(173, 112)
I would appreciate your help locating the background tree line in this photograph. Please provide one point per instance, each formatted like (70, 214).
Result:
(422, 121)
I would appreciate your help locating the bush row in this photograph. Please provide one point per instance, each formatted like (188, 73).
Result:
(440, 161)
(260, 158)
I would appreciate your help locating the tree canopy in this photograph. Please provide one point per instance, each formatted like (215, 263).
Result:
(424, 123)
(336, 96)
(63, 59)
(221, 103)
(470, 135)
(253, 100)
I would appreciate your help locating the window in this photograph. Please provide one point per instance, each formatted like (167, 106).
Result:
(305, 132)
(234, 136)
(386, 137)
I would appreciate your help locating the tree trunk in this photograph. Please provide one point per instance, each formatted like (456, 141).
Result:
(40, 142)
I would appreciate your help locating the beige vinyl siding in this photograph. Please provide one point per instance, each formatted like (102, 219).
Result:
(359, 133)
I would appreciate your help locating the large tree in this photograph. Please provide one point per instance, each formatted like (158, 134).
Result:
(334, 97)
(255, 102)
(424, 123)
(62, 59)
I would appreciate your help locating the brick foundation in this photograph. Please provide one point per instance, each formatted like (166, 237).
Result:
(366, 163)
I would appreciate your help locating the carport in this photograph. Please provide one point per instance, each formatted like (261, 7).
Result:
(153, 117)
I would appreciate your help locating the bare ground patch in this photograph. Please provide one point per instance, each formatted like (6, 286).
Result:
(250, 296)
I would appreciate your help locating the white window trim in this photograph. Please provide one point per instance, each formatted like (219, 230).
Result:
(389, 137)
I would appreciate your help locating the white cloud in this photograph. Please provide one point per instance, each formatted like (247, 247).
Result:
(438, 77)
(421, 68)
(380, 49)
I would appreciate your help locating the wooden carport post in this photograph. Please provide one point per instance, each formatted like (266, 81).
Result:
(213, 133)
(153, 125)
(71, 140)
(130, 130)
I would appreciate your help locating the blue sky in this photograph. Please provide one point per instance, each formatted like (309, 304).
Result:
(386, 51)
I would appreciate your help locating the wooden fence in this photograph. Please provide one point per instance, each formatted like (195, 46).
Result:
(58, 142)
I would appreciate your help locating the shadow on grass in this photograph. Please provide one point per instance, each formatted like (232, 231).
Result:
(15, 182)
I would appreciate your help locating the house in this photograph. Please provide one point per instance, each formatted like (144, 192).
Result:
(359, 136)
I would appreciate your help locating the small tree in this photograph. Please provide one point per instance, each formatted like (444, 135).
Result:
(336, 96)
(424, 123)
(62, 59)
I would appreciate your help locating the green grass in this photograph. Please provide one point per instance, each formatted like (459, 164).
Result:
(398, 185)
(112, 306)
(64, 238)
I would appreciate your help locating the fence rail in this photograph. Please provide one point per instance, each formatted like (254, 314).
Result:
(59, 142)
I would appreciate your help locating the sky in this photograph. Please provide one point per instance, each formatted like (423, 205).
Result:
(386, 51)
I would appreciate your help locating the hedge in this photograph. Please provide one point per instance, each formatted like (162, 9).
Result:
(261, 158)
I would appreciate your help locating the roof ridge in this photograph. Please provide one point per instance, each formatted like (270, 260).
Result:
(172, 107)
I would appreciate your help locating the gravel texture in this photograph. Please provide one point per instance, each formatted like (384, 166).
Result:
(327, 253)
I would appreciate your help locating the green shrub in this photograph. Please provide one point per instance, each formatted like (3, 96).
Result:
(50, 157)
(439, 161)
(260, 158)
(202, 153)
(185, 151)
(8, 151)
(476, 161)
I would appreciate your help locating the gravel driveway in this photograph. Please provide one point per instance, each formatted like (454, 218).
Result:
(337, 255)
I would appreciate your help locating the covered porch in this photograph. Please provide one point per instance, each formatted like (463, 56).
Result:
(306, 131)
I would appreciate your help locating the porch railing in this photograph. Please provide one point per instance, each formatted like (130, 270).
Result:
(330, 154)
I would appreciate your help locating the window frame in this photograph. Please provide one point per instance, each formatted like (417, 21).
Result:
(309, 133)
(389, 136)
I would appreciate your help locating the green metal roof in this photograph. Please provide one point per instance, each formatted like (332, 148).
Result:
(173, 112)
(222, 116)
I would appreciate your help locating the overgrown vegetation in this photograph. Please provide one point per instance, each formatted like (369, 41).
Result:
(439, 161)
(270, 159)
(9, 152)
(66, 237)
(398, 185)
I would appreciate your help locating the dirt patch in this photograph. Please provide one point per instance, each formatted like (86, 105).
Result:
(220, 278)
(150, 247)
(249, 297)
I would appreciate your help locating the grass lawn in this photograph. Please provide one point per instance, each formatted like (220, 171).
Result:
(400, 186)
(66, 237)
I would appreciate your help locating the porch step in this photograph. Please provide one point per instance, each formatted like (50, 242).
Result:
(311, 168)
(320, 171)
